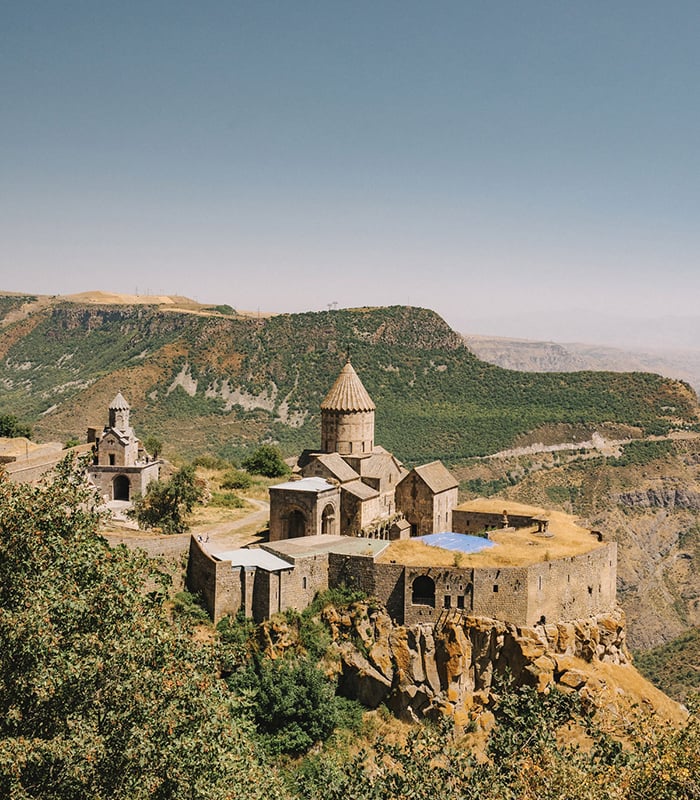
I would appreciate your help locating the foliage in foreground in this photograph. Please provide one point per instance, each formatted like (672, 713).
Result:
(528, 759)
(101, 695)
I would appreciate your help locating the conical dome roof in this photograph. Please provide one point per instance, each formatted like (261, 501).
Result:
(348, 393)
(119, 403)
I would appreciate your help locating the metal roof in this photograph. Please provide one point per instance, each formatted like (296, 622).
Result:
(253, 557)
(305, 485)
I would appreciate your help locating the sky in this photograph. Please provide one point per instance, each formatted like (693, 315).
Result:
(525, 169)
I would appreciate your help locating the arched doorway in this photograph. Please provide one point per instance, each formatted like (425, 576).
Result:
(296, 525)
(120, 488)
(328, 520)
(423, 591)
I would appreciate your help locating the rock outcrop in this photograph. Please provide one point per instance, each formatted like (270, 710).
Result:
(427, 671)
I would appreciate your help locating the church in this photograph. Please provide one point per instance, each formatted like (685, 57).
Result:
(353, 487)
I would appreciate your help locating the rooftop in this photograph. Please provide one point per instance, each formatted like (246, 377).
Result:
(305, 485)
(319, 545)
(513, 548)
(348, 393)
(252, 557)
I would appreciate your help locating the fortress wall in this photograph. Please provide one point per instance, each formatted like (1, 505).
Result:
(217, 582)
(453, 588)
(389, 586)
(573, 588)
(353, 571)
(299, 586)
(501, 593)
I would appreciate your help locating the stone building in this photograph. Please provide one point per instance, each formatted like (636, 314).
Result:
(351, 485)
(121, 467)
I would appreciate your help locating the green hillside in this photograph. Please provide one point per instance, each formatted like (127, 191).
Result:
(222, 384)
(673, 667)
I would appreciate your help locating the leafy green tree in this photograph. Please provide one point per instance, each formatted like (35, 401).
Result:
(236, 479)
(11, 427)
(266, 460)
(153, 446)
(167, 504)
(101, 694)
(295, 702)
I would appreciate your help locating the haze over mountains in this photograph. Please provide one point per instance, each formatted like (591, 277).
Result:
(531, 355)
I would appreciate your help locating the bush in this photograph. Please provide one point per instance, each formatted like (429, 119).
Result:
(266, 460)
(236, 479)
(11, 427)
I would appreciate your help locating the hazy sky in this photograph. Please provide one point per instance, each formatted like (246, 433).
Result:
(524, 168)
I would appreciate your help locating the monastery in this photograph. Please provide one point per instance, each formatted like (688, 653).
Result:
(354, 515)
(121, 467)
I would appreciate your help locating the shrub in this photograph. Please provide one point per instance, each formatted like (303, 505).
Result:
(266, 460)
(236, 479)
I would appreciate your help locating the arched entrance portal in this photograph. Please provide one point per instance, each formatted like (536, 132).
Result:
(120, 488)
(296, 525)
(328, 520)
(423, 591)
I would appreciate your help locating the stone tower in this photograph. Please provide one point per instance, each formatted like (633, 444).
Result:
(347, 416)
(119, 414)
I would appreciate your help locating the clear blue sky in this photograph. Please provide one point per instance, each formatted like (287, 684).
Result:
(524, 168)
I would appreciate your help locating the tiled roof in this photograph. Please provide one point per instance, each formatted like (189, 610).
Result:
(340, 470)
(348, 393)
(360, 490)
(437, 477)
(119, 403)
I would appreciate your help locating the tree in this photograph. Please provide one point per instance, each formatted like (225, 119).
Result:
(266, 460)
(11, 427)
(101, 694)
(167, 504)
(153, 446)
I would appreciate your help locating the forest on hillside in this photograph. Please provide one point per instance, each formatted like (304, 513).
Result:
(224, 384)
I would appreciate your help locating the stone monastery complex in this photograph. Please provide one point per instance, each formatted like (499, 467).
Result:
(352, 514)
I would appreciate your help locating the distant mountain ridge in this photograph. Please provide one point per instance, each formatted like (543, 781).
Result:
(531, 355)
(209, 379)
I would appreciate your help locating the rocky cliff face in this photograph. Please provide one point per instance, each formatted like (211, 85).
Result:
(447, 669)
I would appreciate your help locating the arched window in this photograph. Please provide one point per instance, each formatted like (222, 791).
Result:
(120, 488)
(423, 591)
(328, 520)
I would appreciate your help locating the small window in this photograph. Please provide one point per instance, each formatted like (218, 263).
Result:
(303, 582)
(590, 590)
(539, 583)
(460, 602)
(495, 588)
(111, 459)
(448, 601)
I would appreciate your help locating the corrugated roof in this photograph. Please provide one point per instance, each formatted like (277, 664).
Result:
(437, 477)
(348, 393)
(253, 558)
(305, 485)
(119, 403)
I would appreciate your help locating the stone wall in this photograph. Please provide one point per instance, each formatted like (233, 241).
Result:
(300, 585)
(347, 432)
(475, 522)
(218, 583)
(573, 588)
(283, 502)
(501, 593)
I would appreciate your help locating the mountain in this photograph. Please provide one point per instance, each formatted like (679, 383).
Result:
(643, 494)
(543, 356)
(209, 379)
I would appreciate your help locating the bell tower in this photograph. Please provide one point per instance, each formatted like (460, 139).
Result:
(347, 416)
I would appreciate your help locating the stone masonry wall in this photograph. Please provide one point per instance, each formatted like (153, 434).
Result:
(216, 581)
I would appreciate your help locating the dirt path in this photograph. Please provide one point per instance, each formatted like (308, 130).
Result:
(220, 536)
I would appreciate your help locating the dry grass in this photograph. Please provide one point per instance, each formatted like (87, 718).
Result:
(514, 548)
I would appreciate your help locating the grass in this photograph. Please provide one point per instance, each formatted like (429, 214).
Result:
(513, 548)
